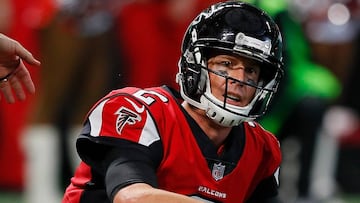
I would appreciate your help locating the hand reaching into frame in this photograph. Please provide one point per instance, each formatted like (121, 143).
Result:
(15, 78)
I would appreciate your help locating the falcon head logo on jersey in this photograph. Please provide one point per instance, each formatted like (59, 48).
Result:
(125, 116)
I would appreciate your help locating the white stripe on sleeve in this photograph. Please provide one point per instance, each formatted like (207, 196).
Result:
(95, 119)
(149, 134)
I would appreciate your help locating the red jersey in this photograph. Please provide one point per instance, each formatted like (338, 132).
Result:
(187, 163)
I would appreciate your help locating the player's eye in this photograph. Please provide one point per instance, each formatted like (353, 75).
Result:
(252, 70)
(226, 63)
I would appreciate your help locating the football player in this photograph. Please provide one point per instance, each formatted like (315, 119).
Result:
(13, 73)
(202, 145)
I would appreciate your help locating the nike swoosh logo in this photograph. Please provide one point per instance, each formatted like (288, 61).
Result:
(137, 108)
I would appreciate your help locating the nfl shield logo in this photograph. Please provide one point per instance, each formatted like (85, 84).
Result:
(218, 171)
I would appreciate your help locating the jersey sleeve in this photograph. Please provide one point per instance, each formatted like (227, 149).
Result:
(123, 117)
(266, 191)
(267, 188)
(272, 151)
(119, 136)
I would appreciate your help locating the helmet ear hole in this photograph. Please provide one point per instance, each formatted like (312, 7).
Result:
(190, 77)
(194, 74)
(191, 80)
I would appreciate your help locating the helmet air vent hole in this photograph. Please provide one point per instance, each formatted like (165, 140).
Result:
(222, 119)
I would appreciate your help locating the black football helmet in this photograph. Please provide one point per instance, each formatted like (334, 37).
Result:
(232, 27)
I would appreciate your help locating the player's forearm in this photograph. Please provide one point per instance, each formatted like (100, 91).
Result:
(143, 193)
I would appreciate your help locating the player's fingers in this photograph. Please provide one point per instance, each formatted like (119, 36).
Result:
(10, 46)
(5, 88)
(25, 54)
(17, 87)
(23, 75)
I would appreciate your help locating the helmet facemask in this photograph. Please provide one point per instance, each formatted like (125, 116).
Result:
(221, 111)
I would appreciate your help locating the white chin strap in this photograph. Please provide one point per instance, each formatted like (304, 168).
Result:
(223, 117)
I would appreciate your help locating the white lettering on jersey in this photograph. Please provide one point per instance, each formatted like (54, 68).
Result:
(204, 189)
(141, 94)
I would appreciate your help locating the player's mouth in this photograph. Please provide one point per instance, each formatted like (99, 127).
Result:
(232, 98)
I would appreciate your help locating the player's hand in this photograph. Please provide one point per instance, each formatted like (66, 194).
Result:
(15, 78)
